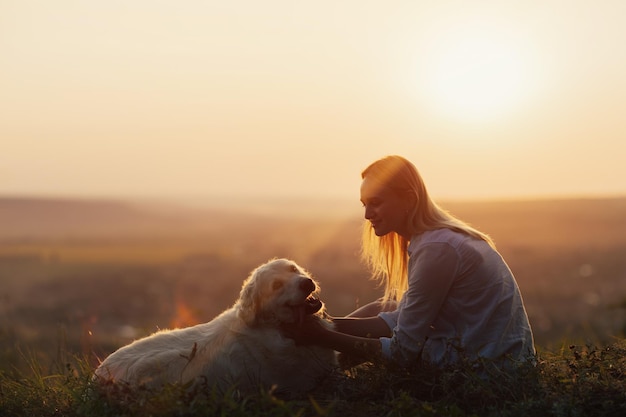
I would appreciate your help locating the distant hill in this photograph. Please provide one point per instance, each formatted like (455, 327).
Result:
(580, 222)
(34, 218)
(595, 222)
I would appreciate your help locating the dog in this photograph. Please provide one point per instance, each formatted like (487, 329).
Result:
(243, 348)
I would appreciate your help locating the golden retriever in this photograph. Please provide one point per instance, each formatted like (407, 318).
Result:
(243, 348)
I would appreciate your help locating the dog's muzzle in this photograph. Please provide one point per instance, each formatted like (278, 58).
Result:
(311, 304)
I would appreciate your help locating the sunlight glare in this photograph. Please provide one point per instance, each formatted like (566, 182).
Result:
(478, 76)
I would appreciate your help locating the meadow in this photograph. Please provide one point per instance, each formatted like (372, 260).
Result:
(82, 278)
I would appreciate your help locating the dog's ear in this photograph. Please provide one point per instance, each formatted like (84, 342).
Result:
(249, 300)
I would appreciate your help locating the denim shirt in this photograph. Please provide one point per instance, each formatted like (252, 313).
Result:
(462, 301)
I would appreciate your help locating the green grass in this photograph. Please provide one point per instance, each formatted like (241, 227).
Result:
(575, 381)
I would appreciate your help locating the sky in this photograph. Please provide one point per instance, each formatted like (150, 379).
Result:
(281, 98)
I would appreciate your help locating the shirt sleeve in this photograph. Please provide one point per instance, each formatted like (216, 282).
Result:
(432, 271)
(390, 317)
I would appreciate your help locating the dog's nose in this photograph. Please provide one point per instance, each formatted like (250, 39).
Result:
(307, 285)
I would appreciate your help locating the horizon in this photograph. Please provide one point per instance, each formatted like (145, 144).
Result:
(230, 201)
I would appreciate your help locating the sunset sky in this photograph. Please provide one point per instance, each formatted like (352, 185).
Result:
(189, 98)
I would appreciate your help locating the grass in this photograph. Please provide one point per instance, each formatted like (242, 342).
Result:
(578, 380)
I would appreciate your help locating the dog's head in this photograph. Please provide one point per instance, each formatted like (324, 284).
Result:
(279, 291)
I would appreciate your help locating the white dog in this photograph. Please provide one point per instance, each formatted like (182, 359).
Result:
(242, 348)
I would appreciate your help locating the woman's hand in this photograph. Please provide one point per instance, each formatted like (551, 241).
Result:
(312, 331)
(309, 331)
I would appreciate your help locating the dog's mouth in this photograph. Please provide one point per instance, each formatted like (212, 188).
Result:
(310, 306)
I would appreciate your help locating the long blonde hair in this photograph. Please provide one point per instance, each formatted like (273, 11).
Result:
(387, 256)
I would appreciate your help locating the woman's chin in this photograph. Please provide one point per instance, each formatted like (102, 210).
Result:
(380, 232)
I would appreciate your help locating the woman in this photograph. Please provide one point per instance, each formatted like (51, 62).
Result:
(449, 295)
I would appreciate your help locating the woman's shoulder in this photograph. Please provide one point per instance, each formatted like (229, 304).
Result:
(443, 235)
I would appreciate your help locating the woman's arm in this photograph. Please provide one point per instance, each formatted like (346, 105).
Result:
(433, 268)
(358, 349)
(353, 349)
(371, 327)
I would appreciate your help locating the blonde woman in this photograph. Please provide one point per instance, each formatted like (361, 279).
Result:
(449, 295)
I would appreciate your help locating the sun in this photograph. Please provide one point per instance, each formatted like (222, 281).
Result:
(478, 76)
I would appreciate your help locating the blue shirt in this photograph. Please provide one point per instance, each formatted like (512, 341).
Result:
(462, 301)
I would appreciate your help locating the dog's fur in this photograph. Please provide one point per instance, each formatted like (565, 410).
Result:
(242, 348)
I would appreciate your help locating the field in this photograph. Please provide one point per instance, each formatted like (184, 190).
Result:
(81, 278)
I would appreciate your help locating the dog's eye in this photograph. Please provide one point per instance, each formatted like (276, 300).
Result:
(294, 268)
(277, 285)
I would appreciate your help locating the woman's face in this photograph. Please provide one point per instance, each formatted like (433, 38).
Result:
(385, 209)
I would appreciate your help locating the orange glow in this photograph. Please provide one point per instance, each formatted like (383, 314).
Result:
(184, 316)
